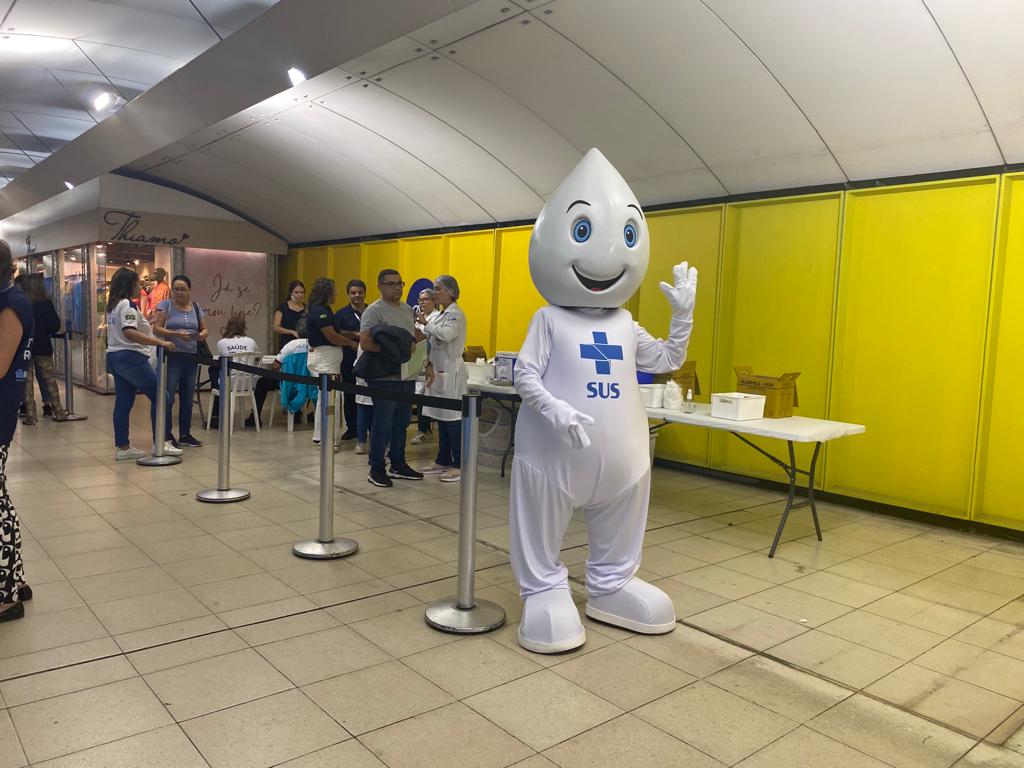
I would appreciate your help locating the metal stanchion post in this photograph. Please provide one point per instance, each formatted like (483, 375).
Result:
(325, 546)
(158, 459)
(464, 614)
(69, 385)
(223, 493)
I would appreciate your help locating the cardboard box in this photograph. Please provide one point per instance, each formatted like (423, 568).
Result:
(685, 377)
(472, 354)
(779, 391)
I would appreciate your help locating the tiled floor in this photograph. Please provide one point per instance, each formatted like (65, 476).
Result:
(165, 632)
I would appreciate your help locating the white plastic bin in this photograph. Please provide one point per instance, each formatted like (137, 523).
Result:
(737, 406)
(653, 395)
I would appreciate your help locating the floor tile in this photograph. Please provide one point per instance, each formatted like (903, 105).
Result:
(57, 682)
(470, 666)
(998, 636)
(316, 577)
(191, 548)
(990, 756)
(716, 722)
(876, 574)
(794, 605)
(377, 696)
(425, 741)
(804, 747)
(319, 655)
(723, 582)
(278, 609)
(836, 659)
(186, 651)
(169, 633)
(350, 754)
(104, 561)
(51, 596)
(291, 626)
(690, 650)
(121, 584)
(79, 543)
(839, 589)
(401, 633)
(883, 635)
(542, 709)
(686, 599)
(205, 686)
(923, 614)
(708, 550)
(76, 721)
(11, 755)
(368, 607)
(745, 625)
(144, 611)
(52, 658)
(939, 697)
(166, 747)
(263, 732)
(937, 590)
(785, 691)
(241, 592)
(623, 676)
(891, 735)
(765, 568)
(49, 630)
(993, 671)
(627, 740)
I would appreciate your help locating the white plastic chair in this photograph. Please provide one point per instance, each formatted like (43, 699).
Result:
(242, 385)
(281, 407)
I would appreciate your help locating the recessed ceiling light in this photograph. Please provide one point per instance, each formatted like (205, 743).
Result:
(296, 76)
(69, 185)
(102, 101)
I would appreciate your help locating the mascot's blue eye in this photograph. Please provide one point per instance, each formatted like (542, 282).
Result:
(581, 231)
(629, 233)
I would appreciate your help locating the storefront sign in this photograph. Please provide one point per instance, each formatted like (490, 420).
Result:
(127, 223)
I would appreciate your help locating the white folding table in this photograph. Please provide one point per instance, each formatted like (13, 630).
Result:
(793, 429)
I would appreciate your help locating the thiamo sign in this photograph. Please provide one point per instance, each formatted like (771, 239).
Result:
(128, 227)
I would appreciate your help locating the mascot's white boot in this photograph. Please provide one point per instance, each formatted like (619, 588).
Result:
(581, 436)
(551, 623)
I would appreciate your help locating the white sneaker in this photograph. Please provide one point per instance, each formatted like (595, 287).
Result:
(419, 437)
(452, 475)
(433, 469)
(360, 448)
(170, 450)
(129, 454)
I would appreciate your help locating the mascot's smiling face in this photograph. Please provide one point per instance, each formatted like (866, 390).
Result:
(590, 245)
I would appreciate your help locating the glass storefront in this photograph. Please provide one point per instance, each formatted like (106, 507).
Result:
(74, 307)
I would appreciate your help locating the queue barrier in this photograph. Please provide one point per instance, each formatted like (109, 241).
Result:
(460, 614)
(69, 384)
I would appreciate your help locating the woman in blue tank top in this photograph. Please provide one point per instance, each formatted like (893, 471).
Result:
(16, 323)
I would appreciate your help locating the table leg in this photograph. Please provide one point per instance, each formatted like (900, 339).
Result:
(792, 471)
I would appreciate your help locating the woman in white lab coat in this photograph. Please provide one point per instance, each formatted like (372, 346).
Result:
(446, 377)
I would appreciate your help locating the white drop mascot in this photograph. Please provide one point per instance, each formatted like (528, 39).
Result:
(581, 436)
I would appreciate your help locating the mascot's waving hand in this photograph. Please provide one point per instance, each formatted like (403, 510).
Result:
(581, 436)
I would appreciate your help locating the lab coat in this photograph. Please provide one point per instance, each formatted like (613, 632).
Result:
(447, 337)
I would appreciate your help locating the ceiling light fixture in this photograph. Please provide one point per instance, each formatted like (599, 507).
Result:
(296, 76)
(102, 101)
(69, 185)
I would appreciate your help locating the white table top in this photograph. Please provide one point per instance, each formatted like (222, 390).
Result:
(795, 428)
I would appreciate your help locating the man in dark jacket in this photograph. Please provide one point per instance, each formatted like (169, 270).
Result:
(390, 419)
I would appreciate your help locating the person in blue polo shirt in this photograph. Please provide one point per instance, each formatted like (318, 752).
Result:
(325, 342)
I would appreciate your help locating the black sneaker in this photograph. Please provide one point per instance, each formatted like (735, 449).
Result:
(190, 442)
(380, 478)
(251, 421)
(405, 472)
(47, 411)
(350, 434)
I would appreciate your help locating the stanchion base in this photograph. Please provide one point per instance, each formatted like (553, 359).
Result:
(158, 461)
(74, 417)
(446, 616)
(217, 496)
(318, 550)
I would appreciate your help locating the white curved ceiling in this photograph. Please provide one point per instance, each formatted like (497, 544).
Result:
(476, 117)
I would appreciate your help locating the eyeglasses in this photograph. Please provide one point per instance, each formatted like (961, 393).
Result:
(394, 283)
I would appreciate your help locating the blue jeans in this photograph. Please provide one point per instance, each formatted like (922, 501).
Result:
(390, 420)
(364, 418)
(132, 373)
(181, 377)
(449, 443)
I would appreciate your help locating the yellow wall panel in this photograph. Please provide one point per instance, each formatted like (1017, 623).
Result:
(287, 270)
(775, 311)
(692, 235)
(909, 345)
(343, 264)
(421, 257)
(471, 262)
(999, 489)
(518, 298)
(312, 264)
(376, 256)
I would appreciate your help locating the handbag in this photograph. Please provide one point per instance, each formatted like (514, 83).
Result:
(202, 348)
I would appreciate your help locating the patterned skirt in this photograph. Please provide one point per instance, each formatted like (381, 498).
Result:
(12, 569)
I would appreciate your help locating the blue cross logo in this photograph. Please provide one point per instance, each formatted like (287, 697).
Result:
(601, 352)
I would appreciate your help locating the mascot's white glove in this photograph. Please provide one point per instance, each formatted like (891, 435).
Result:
(569, 423)
(683, 295)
